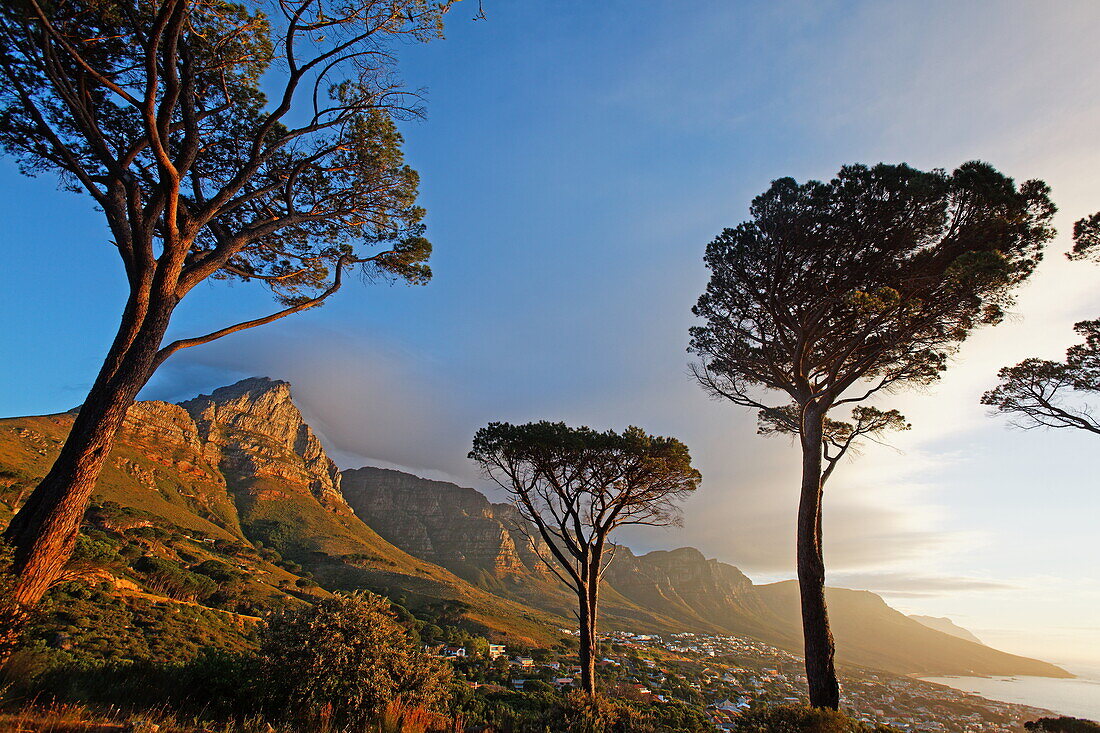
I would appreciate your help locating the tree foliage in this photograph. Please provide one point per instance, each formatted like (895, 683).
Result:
(576, 485)
(872, 279)
(838, 437)
(1051, 394)
(158, 112)
(1041, 393)
(346, 655)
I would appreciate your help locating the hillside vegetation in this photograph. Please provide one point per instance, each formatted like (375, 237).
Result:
(215, 511)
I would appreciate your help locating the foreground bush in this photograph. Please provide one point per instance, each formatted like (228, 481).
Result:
(1063, 725)
(801, 719)
(343, 660)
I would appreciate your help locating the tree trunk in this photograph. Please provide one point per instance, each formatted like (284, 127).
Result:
(588, 642)
(43, 532)
(820, 669)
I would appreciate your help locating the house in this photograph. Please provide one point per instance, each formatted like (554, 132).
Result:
(496, 650)
(523, 662)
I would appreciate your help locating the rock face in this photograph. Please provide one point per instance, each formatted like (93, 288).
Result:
(444, 523)
(682, 583)
(253, 429)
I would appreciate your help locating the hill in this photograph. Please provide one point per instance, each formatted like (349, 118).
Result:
(229, 500)
(663, 590)
(947, 626)
(240, 469)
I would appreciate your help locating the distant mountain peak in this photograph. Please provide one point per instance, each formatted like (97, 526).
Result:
(947, 626)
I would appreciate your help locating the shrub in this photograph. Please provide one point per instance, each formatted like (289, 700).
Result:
(13, 618)
(801, 719)
(1063, 725)
(344, 659)
(581, 714)
(167, 577)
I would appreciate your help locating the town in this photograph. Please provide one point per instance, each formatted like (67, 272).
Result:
(727, 675)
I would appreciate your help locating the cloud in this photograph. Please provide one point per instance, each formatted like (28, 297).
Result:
(909, 585)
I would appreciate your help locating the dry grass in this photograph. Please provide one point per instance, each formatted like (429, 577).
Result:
(397, 718)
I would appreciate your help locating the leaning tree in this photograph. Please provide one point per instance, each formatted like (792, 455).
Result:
(1042, 393)
(836, 293)
(575, 486)
(252, 141)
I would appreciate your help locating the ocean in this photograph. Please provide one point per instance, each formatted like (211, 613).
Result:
(1078, 697)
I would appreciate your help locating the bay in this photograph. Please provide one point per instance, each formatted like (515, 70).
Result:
(1078, 697)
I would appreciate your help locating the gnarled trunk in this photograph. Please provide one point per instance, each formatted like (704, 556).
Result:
(588, 596)
(43, 532)
(818, 638)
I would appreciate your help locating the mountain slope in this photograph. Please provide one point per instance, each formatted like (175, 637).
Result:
(870, 633)
(237, 477)
(947, 626)
(241, 465)
(664, 590)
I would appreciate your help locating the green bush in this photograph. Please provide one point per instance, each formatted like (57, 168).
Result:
(1063, 725)
(167, 577)
(13, 618)
(343, 660)
(801, 719)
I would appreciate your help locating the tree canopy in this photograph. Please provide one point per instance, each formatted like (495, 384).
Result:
(161, 113)
(1042, 393)
(871, 279)
(576, 485)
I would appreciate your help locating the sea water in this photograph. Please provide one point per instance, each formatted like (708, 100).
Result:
(1078, 697)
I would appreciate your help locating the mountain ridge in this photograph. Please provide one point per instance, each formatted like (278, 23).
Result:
(242, 464)
(680, 586)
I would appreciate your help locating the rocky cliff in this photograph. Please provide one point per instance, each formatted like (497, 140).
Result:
(242, 465)
(253, 430)
(444, 523)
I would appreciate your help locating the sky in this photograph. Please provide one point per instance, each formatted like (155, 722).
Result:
(575, 159)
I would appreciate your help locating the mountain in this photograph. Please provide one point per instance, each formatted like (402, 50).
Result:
(947, 626)
(241, 465)
(678, 589)
(236, 485)
(870, 633)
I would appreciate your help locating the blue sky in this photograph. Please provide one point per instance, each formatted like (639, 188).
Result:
(576, 158)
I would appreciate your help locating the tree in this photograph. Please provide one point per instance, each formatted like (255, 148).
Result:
(157, 111)
(346, 655)
(835, 293)
(1040, 393)
(576, 486)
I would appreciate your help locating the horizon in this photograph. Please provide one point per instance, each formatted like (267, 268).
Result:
(569, 211)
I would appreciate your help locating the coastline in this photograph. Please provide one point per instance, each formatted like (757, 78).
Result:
(1077, 696)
